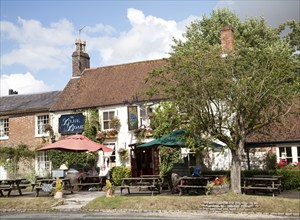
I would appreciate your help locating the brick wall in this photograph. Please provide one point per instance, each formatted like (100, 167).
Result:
(22, 130)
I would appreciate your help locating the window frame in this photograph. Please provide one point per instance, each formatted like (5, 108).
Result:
(104, 120)
(37, 126)
(43, 163)
(5, 131)
(144, 118)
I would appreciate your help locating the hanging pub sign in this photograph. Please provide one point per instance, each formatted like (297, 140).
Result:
(71, 124)
(132, 118)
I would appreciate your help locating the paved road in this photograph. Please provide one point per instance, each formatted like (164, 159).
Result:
(137, 216)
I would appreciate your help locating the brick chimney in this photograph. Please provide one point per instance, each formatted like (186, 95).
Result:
(80, 59)
(227, 40)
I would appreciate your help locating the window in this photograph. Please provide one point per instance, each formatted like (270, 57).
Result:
(4, 128)
(286, 153)
(112, 155)
(298, 154)
(106, 119)
(144, 116)
(43, 163)
(42, 120)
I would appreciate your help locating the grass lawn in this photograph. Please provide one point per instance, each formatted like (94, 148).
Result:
(159, 202)
(26, 203)
(172, 202)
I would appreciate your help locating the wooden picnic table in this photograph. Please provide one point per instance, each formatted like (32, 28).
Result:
(187, 183)
(151, 183)
(46, 184)
(96, 181)
(9, 185)
(262, 183)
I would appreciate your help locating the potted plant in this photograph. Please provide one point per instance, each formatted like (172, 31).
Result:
(58, 190)
(109, 189)
(218, 186)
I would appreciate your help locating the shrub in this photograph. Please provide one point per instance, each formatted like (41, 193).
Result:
(118, 173)
(271, 163)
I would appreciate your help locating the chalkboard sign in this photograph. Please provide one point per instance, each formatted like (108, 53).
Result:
(71, 124)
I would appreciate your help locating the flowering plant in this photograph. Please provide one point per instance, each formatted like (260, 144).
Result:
(142, 132)
(217, 182)
(282, 163)
(107, 133)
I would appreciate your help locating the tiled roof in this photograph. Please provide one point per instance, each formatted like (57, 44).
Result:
(32, 103)
(107, 86)
(286, 131)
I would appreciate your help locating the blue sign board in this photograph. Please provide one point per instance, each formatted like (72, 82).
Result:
(71, 124)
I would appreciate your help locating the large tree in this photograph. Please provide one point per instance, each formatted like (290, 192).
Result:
(229, 97)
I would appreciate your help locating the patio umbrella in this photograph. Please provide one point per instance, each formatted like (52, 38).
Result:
(76, 143)
(176, 138)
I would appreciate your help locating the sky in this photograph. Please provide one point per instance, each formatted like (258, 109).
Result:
(38, 36)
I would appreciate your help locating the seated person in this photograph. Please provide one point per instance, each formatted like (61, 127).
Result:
(196, 172)
(103, 171)
(93, 172)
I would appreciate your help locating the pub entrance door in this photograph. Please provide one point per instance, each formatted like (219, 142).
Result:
(144, 161)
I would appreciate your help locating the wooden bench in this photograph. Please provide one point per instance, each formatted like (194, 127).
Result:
(150, 183)
(5, 188)
(187, 187)
(269, 184)
(187, 183)
(95, 181)
(81, 185)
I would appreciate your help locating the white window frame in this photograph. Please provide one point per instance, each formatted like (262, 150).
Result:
(291, 159)
(38, 127)
(105, 120)
(43, 164)
(4, 130)
(144, 112)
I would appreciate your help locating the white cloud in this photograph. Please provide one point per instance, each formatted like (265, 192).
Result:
(45, 49)
(149, 38)
(23, 83)
(37, 47)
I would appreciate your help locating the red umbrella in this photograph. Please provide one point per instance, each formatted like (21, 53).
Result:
(76, 143)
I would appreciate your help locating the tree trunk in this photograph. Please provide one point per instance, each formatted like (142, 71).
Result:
(235, 174)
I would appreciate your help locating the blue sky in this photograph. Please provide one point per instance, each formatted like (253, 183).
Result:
(37, 37)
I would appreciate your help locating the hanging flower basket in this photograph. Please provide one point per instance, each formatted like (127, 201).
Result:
(109, 134)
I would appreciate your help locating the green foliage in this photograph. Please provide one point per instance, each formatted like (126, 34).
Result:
(124, 155)
(271, 161)
(120, 172)
(11, 156)
(165, 119)
(168, 156)
(229, 98)
(58, 157)
(92, 124)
